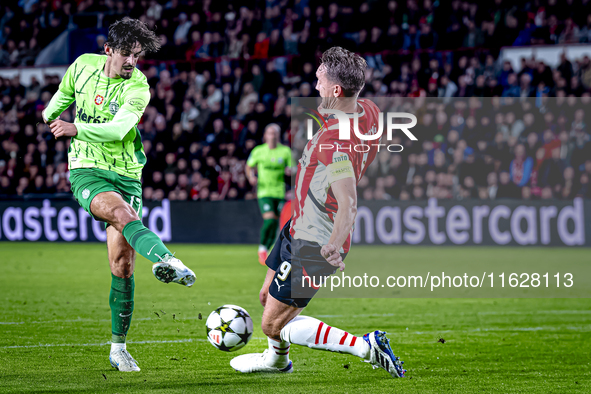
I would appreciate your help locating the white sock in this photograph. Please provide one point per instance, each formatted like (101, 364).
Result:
(278, 354)
(117, 346)
(311, 332)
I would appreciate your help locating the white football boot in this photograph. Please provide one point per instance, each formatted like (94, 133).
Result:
(122, 360)
(257, 362)
(171, 269)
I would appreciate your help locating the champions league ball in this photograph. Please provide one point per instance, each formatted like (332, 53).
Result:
(229, 328)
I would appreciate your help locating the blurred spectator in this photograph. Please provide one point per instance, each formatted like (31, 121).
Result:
(521, 167)
(507, 188)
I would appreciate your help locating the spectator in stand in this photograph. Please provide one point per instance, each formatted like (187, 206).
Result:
(247, 101)
(521, 167)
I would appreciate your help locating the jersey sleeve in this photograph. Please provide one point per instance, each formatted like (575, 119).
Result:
(136, 98)
(67, 85)
(115, 130)
(335, 155)
(64, 96)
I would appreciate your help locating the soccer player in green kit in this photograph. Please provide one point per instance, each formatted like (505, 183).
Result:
(106, 158)
(272, 161)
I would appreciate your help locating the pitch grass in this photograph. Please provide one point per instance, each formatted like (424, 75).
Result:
(58, 293)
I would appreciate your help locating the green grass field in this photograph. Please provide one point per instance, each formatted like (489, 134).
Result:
(55, 325)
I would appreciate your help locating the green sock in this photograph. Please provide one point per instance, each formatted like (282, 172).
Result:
(144, 241)
(271, 225)
(121, 303)
(264, 232)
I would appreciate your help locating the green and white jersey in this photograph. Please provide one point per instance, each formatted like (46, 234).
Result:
(270, 164)
(98, 99)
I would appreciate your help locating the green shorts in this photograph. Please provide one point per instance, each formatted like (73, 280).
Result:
(88, 182)
(271, 204)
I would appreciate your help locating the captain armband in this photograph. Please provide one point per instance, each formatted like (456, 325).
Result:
(340, 170)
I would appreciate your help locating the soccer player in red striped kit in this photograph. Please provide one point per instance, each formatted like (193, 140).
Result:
(317, 238)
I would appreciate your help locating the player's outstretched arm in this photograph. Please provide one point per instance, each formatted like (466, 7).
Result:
(134, 99)
(345, 192)
(114, 130)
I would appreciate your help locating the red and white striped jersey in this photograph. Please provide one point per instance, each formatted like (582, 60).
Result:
(314, 204)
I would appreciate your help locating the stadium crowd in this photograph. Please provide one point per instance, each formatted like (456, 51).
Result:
(206, 116)
(260, 29)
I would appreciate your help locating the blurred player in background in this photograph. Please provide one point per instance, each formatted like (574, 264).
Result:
(106, 158)
(318, 237)
(272, 162)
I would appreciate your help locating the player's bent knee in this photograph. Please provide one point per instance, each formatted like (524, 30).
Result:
(121, 215)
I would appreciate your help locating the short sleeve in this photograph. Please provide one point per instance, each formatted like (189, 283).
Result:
(136, 98)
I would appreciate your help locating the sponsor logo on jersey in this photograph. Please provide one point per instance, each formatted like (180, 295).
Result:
(338, 157)
(98, 100)
(84, 117)
(113, 107)
(137, 103)
(85, 193)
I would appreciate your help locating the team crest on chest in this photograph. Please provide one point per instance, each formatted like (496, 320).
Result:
(113, 107)
(98, 100)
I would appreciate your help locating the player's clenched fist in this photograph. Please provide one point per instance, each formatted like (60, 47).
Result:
(59, 128)
(332, 256)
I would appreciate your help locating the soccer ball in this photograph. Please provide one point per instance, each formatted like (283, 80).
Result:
(229, 328)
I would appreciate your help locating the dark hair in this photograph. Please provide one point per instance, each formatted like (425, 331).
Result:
(346, 69)
(125, 33)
